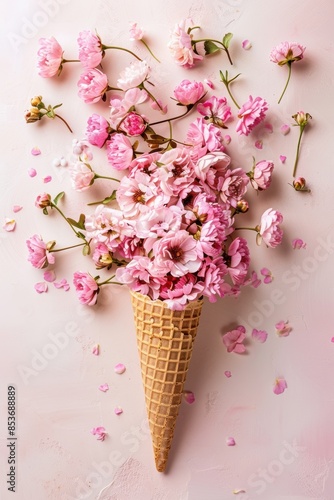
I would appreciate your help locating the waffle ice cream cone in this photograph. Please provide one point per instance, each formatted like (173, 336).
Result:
(165, 342)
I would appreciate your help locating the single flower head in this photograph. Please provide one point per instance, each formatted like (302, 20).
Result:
(180, 45)
(49, 57)
(93, 84)
(90, 49)
(86, 288)
(251, 114)
(188, 93)
(270, 230)
(136, 33)
(133, 76)
(286, 52)
(97, 131)
(302, 118)
(39, 255)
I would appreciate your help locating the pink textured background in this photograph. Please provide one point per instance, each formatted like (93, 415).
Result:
(58, 404)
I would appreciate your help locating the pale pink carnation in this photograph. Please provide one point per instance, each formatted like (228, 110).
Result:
(97, 130)
(92, 84)
(119, 151)
(233, 186)
(251, 114)
(204, 137)
(211, 167)
(187, 92)
(137, 275)
(270, 231)
(177, 253)
(215, 109)
(262, 174)
(49, 57)
(137, 194)
(136, 33)
(176, 174)
(133, 124)
(102, 256)
(86, 288)
(238, 253)
(39, 256)
(180, 45)
(90, 49)
(82, 176)
(213, 272)
(133, 75)
(287, 52)
(178, 292)
(43, 200)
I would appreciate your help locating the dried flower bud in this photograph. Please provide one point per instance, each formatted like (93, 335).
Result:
(302, 118)
(299, 184)
(43, 200)
(242, 206)
(33, 115)
(35, 101)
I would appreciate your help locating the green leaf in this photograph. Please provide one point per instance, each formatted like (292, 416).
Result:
(80, 224)
(226, 40)
(210, 47)
(58, 197)
(106, 200)
(45, 211)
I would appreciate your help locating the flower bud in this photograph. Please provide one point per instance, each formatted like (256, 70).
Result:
(242, 206)
(299, 184)
(35, 101)
(43, 201)
(302, 118)
(33, 115)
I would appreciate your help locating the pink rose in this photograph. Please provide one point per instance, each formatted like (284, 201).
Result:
(86, 288)
(269, 230)
(92, 84)
(188, 92)
(43, 200)
(286, 52)
(97, 130)
(136, 33)
(180, 45)
(90, 49)
(251, 114)
(261, 175)
(133, 76)
(119, 151)
(49, 57)
(204, 137)
(215, 109)
(82, 176)
(133, 124)
(39, 256)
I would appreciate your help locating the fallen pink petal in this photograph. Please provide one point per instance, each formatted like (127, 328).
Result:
(104, 387)
(282, 158)
(209, 83)
(228, 374)
(49, 276)
(268, 126)
(47, 179)
(280, 386)
(17, 208)
(9, 225)
(259, 144)
(118, 410)
(255, 281)
(62, 284)
(35, 151)
(119, 368)
(285, 129)
(41, 287)
(268, 277)
(96, 350)
(227, 139)
(230, 441)
(99, 432)
(189, 397)
(283, 328)
(259, 335)
(233, 340)
(32, 172)
(298, 243)
(246, 45)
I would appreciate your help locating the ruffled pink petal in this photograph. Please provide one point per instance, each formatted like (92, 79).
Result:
(298, 243)
(9, 225)
(104, 387)
(62, 284)
(35, 151)
(259, 335)
(32, 172)
(17, 208)
(119, 368)
(99, 432)
(49, 276)
(189, 397)
(41, 287)
(280, 386)
(209, 83)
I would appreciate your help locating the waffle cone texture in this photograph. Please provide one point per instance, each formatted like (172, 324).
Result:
(165, 341)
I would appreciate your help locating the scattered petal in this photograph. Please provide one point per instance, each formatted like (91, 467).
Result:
(227, 139)
(267, 274)
(118, 410)
(255, 280)
(47, 179)
(189, 397)
(280, 386)
(283, 328)
(9, 225)
(96, 349)
(32, 172)
(298, 243)
(259, 335)
(332, 339)
(230, 441)
(41, 287)
(282, 158)
(104, 387)
(233, 340)
(49, 276)
(269, 127)
(228, 374)
(236, 492)
(119, 368)
(285, 129)
(62, 284)
(35, 151)
(17, 208)
(259, 144)
(99, 432)
(246, 44)
(209, 83)
(158, 106)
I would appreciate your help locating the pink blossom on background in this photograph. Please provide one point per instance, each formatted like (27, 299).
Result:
(187, 92)
(270, 231)
(215, 109)
(82, 176)
(282, 158)
(176, 253)
(189, 397)
(259, 335)
(119, 151)
(136, 33)
(62, 284)
(251, 114)
(49, 57)
(233, 340)
(262, 174)
(133, 124)
(97, 130)
(32, 172)
(9, 225)
(285, 129)
(287, 52)
(280, 386)
(268, 277)
(177, 292)
(239, 260)
(41, 287)
(234, 186)
(99, 432)
(35, 151)
(92, 84)
(96, 350)
(298, 243)
(204, 137)
(90, 49)
(49, 276)
(102, 256)
(283, 328)
(133, 75)
(39, 256)
(86, 288)
(180, 45)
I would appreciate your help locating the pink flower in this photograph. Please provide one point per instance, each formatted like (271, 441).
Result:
(283, 328)
(39, 256)
(280, 386)
(204, 137)
(233, 186)
(251, 114)
(259, 335)
(178, 292)
(133, 76)
(297, 244)
(99, 432)
(86, 288)
(82, 176)
(119, 151)
(286, 52)
(213, 272)
(97, 130)
(136, 33)
(133, 124)
(43, 200)
(261, 175)
(177, 253)
(62, 284)
(215, 110)
(189, 397)
(138, 276)
(90, 49)
(238, 253)
(102, 256)
(180, 45)
(187, 92)
(92, 84)
(233, 340)
(49, 57)
(270, 231)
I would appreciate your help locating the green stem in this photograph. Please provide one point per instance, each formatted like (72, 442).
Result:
(287, 82)
(105, 47)
(171, 119)
(297, 153)
(150, 51)
(109, 282)
(97, 176)
(67, 125)
(68, 222)
(230, 94)
(67, 248)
